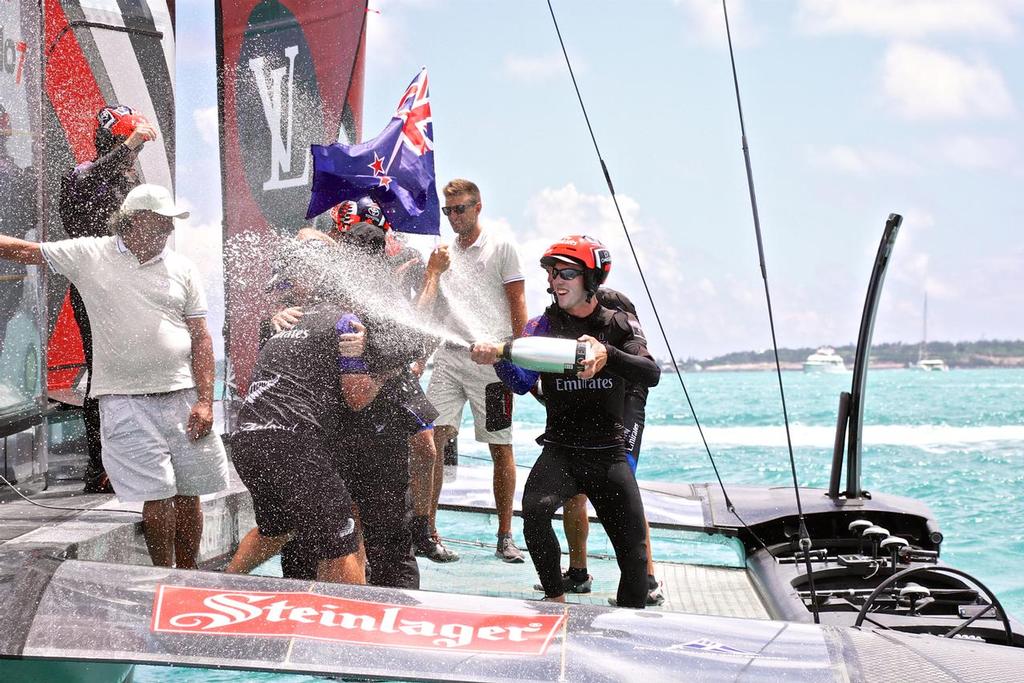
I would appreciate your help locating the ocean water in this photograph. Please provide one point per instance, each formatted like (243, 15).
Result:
(954, 440)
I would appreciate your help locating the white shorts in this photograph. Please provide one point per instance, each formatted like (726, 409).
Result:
(455, 380)
(148, 455)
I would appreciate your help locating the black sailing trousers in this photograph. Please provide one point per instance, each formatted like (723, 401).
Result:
(90, 406)
(606, 478)
(375, 468)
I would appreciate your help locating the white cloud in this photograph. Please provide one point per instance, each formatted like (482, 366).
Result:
(536, 68)
(205, 120)
(923, 83)
(707, 22)
(908, 18)
(385, 35)
(860, 161)
(974, 153)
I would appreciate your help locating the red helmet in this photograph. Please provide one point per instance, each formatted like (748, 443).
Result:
(365, 210)
(120, 120)
(344, 215)
(585, 251)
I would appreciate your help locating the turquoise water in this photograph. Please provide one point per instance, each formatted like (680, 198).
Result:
(953, 440)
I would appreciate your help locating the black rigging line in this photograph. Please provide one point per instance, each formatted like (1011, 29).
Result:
(63, 507)
(728, 502)
(805, 539)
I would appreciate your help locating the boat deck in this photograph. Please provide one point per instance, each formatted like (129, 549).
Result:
(708, 589)
(696, 574)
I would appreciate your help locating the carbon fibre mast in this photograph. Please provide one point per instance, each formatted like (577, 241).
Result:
(850, 423)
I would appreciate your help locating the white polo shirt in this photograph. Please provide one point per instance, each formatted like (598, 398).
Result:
(474, 287)
(137, 311)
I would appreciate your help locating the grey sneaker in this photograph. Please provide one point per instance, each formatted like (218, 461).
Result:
(507, 550)
(656, 596)
(434, 550)
(571, 586)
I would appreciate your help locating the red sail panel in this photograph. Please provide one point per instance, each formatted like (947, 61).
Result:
(64, 357)
(70, 85)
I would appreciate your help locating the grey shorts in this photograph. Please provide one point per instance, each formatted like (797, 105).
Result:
(148, 455)
(455, 380)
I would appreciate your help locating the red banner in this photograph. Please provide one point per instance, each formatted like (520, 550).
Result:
(204, 611)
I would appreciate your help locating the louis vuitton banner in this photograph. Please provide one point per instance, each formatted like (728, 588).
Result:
(290, 75)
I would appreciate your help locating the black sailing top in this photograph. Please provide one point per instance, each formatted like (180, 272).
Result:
(295, 383)
(587, 413)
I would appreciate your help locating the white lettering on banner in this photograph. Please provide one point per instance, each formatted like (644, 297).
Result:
(208, 611)
(584, 384)
(271, 96)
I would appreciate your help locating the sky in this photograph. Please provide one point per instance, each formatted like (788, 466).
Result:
(854, 109)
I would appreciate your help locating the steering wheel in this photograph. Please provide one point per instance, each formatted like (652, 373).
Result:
(907, 573)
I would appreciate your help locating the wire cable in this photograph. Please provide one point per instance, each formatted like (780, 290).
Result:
(650, 297)
(60, 507)
(805, 539)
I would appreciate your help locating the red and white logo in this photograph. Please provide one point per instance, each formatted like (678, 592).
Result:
(322, 617)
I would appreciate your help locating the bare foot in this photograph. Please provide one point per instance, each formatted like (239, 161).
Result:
(558, 598)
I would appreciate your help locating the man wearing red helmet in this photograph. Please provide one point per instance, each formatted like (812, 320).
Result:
(583, 442)
(89, 195)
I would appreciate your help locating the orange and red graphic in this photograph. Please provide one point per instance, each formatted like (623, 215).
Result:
(204, 611)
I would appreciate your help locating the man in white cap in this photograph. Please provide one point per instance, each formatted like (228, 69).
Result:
(153, 366)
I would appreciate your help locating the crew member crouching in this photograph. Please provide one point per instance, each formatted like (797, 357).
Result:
(284, 446)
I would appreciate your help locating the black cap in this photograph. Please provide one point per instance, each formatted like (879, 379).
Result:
(364, 236)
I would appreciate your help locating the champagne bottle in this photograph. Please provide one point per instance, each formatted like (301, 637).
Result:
(547, 354)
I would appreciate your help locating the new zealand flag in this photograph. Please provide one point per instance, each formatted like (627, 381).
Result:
(396, 168)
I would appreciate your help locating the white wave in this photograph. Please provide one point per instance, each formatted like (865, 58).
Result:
(823, 437)
(927, 437)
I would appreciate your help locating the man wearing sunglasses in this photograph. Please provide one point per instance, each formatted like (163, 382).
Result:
(584, 449)
(479, 285)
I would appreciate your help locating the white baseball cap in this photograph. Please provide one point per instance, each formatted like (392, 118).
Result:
(155, 198)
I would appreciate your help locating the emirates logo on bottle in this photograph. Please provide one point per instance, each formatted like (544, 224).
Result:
(320, 617)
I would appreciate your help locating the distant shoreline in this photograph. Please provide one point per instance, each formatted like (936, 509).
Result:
(882, 365)
(887, 356)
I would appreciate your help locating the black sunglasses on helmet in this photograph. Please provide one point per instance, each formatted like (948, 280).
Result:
(564, 273)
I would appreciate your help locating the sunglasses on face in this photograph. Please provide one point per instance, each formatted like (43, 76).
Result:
(457, 208)
(565, 273)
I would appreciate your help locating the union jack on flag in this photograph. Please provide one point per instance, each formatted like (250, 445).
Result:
(396, 168)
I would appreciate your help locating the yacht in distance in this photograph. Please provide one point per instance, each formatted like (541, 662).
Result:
(825, 359)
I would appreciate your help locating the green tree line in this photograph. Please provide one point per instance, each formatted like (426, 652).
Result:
(985, 353)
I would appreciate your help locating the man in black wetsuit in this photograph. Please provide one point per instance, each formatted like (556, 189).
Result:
(583, 443)
(574, 515)
(90, 193)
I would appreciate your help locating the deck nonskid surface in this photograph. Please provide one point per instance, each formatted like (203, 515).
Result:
(710, 587)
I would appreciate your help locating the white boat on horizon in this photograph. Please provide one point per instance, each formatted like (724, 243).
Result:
(931, 365)
(825, 359)
(923, 362)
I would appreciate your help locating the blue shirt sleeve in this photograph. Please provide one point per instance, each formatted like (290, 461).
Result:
(350, 365)
(514, 377)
